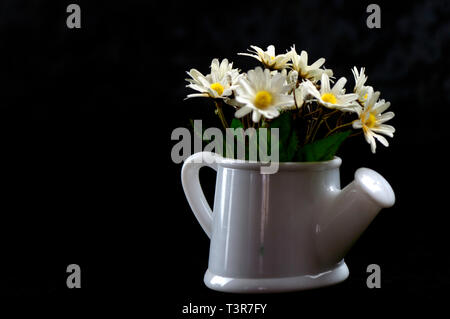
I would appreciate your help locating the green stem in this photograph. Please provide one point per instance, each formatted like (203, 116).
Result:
(340, 118)
(328, 115)
(355, 134)
(221, 115)
(319, 123)
(313, 112)
(312, 129)
(338, 128)
(247, 121)
(328, 125)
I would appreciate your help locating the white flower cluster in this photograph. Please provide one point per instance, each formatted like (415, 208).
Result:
(287, 82)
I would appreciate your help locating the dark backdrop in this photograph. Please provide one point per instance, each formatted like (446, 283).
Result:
(86, 117)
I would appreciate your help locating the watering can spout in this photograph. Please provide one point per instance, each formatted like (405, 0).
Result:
(349, 212)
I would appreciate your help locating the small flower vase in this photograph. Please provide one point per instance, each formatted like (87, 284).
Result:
(284, 231)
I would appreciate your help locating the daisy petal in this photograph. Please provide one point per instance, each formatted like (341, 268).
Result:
(381, 107)
(196, 95)
(381, 139)
(385, 117)
(387, 130)
(325, 84)
(256, 116)
(242, 111)
(338, 87)
(317, 64)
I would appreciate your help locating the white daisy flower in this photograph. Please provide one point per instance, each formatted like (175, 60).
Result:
(292, 78)
(268, 57)
(299, 94)
(371, 121)
(333, 98)
(263, 94)
(360, 88)
(220, 83)
(311, 72)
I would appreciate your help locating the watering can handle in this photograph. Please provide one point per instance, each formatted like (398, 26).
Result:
(193, 190)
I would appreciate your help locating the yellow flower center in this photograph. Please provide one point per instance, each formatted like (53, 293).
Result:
(370, 121)
(217, 87)
(272, 58)
(329, 98)
(262, 100)
(365, 96)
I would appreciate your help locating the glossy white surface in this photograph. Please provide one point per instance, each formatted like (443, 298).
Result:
(273, 285)
(375, 186)
(283, 231)
(193, 190)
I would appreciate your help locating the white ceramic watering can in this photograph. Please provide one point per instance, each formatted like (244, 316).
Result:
(284, 231)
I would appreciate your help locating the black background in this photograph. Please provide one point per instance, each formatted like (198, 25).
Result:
(85, 122)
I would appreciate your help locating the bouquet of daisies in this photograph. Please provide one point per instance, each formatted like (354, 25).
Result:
(313, 113)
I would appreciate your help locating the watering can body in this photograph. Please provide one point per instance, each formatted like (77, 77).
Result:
(284, 231)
